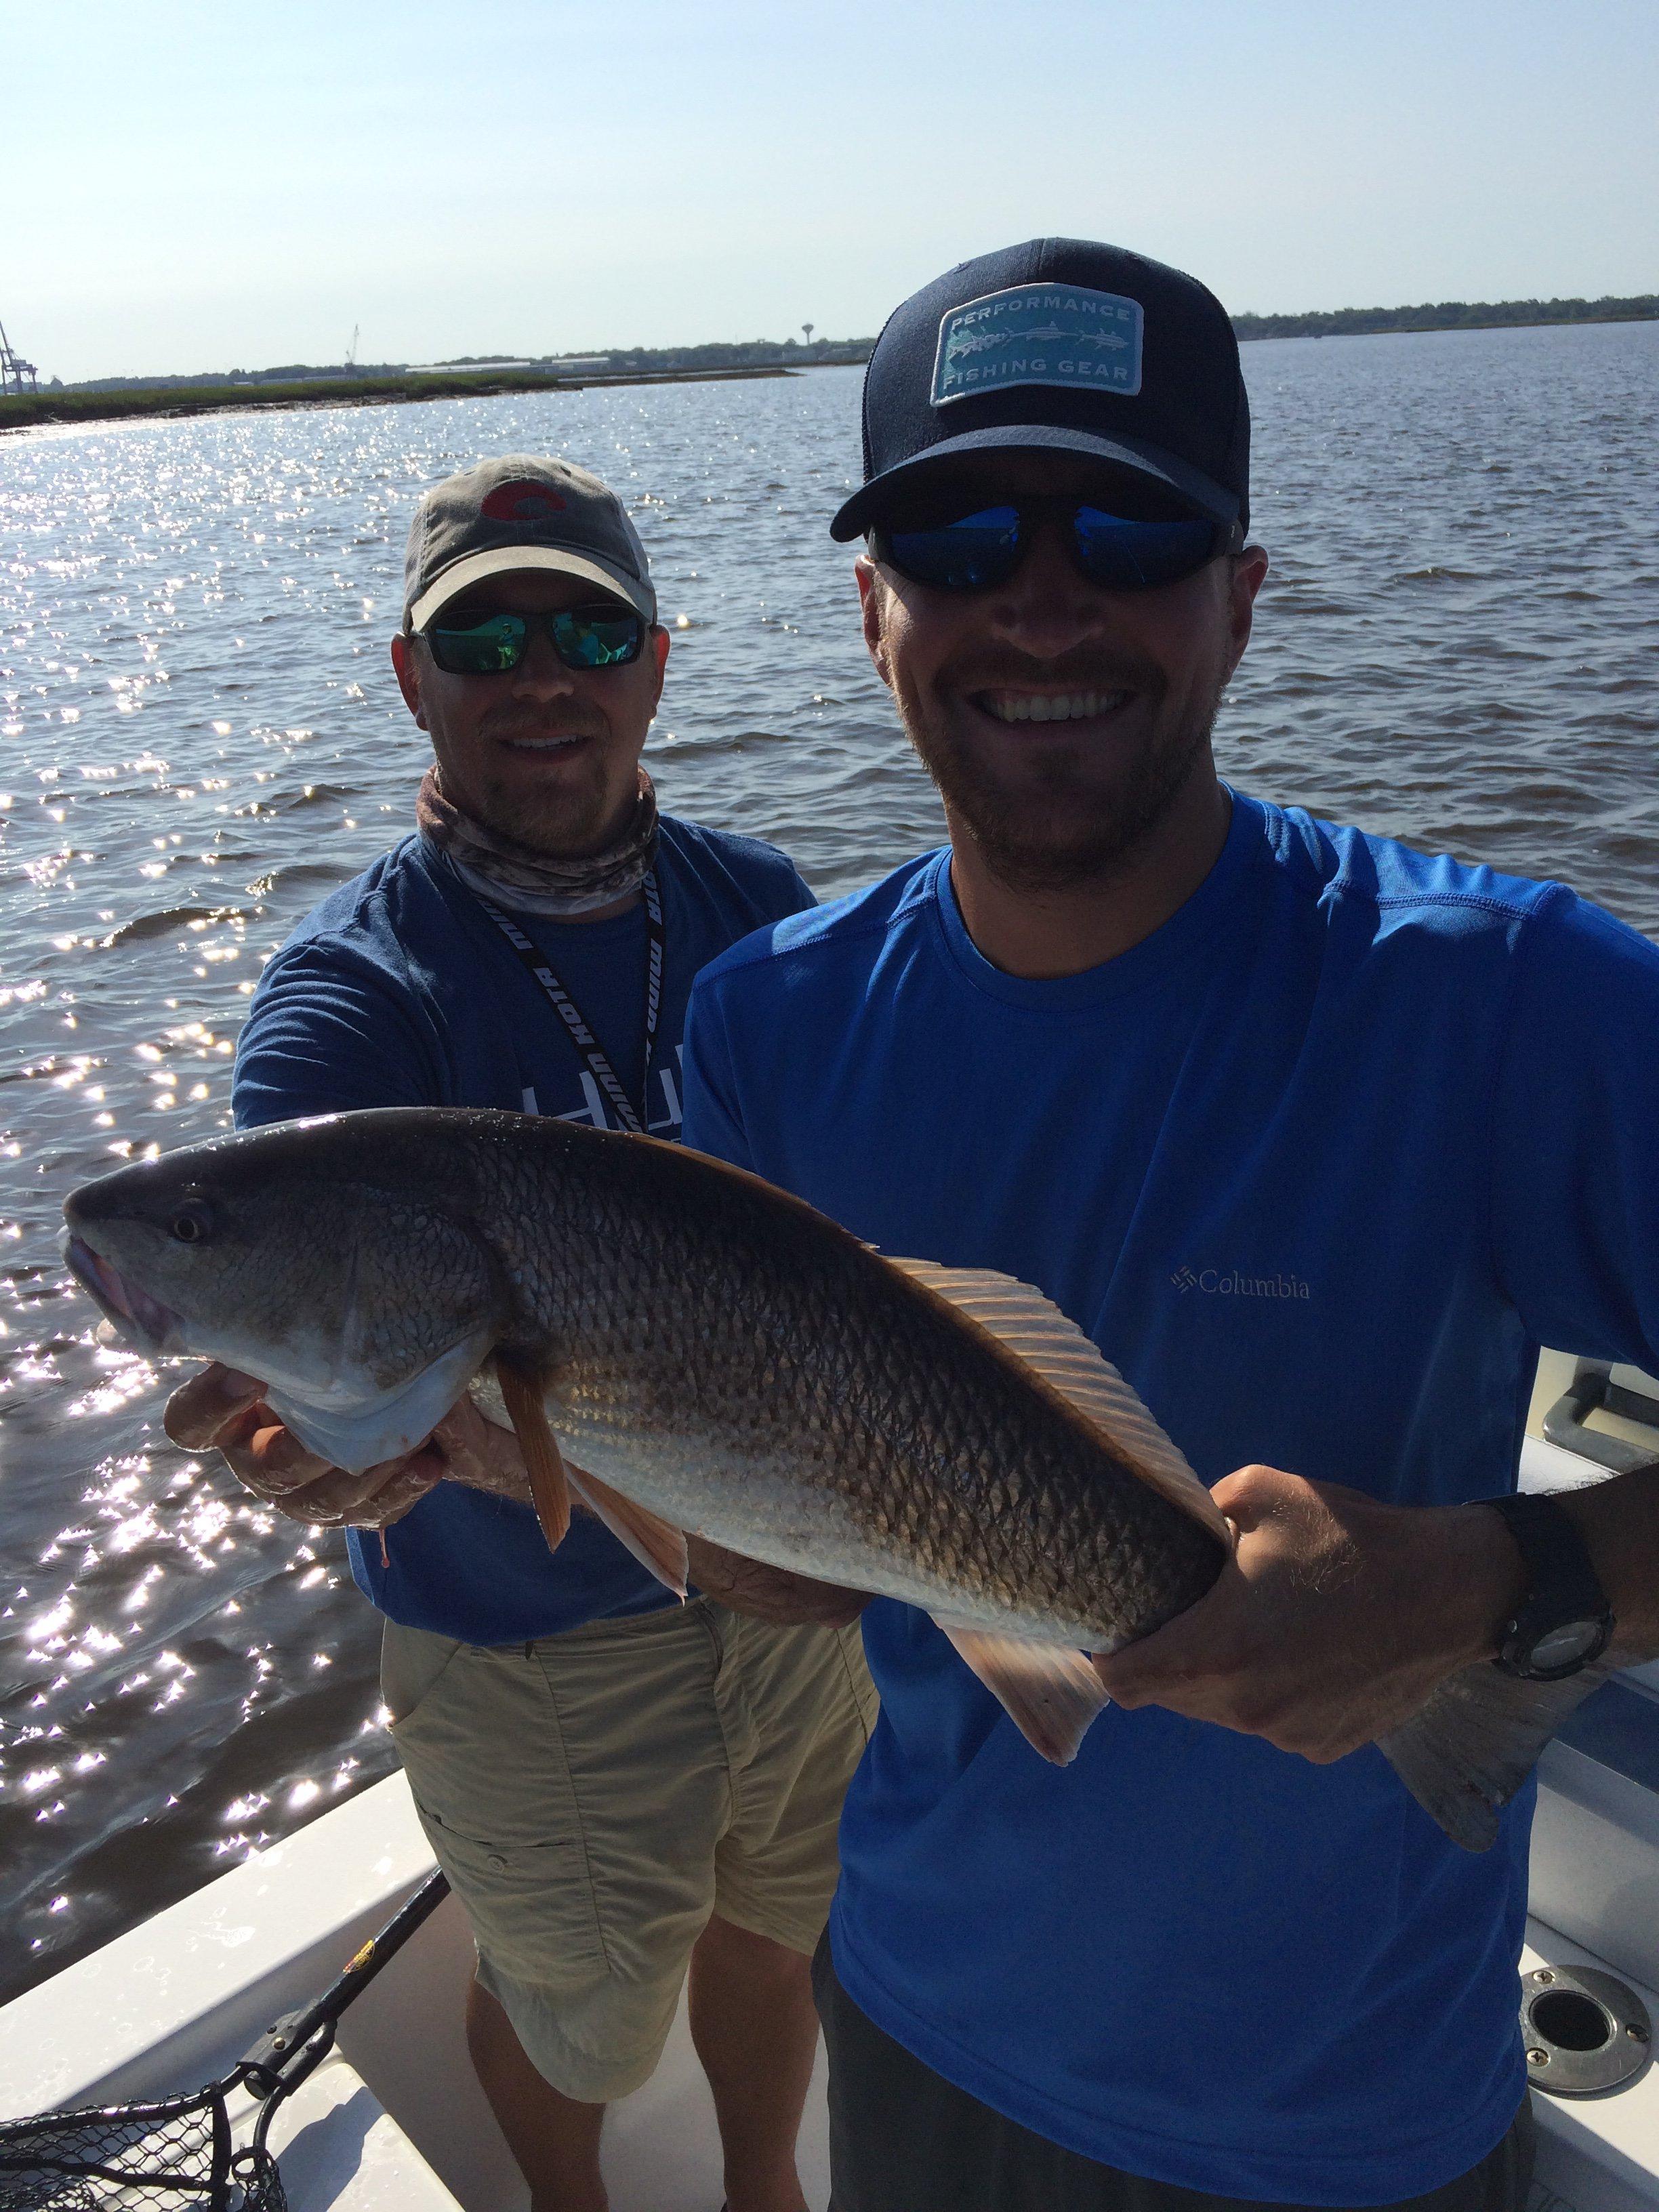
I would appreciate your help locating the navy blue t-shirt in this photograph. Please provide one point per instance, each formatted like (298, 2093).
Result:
(400, 991)
(1318, 1164)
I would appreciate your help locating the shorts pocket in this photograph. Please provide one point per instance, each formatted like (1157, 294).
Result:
(485, 1760)
(529, 1902)
(413, 1661)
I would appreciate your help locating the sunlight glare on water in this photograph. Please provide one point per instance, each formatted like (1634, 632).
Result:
(202, 738)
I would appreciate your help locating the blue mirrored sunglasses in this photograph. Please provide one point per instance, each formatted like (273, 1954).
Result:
(972, 552)
(603, 636)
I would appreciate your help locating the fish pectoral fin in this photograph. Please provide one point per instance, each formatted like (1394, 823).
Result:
(1045, 1339)
(521, 1393)
(1049, 1692)
(1465, 1755)
(658, 1546)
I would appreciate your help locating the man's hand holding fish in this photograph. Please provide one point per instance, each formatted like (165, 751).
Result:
(1335, 1620)
(221, 1410)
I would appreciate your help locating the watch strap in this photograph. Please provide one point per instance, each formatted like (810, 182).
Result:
(1562, 1584)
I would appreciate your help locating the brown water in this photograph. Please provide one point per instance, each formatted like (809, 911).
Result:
(202, 736)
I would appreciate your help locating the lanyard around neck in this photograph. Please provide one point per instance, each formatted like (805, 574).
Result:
(581, 1033)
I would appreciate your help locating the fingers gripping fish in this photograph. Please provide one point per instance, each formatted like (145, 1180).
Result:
(688, 1349)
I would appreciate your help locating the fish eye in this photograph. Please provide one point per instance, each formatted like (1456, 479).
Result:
(190, 1222)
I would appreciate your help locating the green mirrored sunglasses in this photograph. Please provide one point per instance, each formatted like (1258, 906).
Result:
(603, 635)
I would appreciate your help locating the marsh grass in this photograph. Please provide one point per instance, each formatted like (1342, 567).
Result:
(34, 409)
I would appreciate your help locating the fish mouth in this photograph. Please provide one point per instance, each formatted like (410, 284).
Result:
(141, 1321)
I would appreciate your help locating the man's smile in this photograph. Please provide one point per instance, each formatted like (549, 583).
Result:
(1027, 706)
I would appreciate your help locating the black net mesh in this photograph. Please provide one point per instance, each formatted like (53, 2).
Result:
(173, 2156)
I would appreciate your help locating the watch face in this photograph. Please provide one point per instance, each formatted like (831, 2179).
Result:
(1561, 1647)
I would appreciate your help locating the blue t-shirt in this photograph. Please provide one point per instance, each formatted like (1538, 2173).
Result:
(1319, 1165)
(400, 991)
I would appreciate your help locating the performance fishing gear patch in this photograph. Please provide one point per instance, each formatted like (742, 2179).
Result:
(1040, 334)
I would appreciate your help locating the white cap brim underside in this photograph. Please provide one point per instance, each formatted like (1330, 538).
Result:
(510, 560)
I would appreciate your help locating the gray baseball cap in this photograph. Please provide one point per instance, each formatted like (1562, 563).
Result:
(518, 513)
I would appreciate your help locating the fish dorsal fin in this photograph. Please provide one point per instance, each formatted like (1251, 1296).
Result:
(1034, 1328)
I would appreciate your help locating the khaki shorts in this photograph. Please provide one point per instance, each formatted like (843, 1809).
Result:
(594, 1798)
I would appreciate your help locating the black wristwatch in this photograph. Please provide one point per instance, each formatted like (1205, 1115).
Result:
(1565, 1620)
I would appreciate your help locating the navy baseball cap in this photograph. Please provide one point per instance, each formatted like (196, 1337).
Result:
(1059, 345)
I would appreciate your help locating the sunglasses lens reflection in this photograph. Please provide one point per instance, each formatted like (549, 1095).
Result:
(597, 638)
(1132, 557)
(485, 649)
(961, 555)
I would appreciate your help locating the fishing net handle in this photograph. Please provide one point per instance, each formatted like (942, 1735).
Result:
(298, 2043)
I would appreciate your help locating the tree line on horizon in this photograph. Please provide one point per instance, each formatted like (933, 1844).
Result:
(1448, 315)
(769, 352)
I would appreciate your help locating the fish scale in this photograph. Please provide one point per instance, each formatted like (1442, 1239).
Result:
(894, 1392)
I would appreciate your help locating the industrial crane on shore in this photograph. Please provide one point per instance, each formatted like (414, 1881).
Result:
(14, 369)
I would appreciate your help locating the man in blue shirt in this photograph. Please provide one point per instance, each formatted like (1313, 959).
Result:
(614, 1784)
(1318, 1139)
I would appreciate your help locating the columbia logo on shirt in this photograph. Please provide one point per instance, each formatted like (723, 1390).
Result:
(1237, 1283)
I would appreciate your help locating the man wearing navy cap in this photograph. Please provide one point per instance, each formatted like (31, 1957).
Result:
(1318, 1139)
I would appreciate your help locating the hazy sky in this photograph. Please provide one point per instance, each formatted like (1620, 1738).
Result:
(207, 183)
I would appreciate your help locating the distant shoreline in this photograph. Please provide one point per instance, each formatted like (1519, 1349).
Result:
(58, 411)
(1447, 330)
(56, 407)
(1448, 315)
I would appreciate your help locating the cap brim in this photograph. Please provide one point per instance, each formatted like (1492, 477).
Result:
(1138, 455)
(513, 560)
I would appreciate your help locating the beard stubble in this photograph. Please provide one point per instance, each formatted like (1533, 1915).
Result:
(567, 819)
(1060, 831)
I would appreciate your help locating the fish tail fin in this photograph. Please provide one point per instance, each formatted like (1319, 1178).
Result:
(521, 1394)
(1465, 1755)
